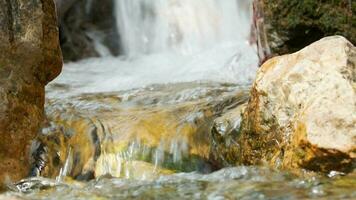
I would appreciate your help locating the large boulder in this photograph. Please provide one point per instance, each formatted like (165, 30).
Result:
(30, 57)
(287, 26)
(302, 111)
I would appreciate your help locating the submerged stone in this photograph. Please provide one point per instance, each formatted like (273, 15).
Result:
(224, 135)
(30, 57)
(142, 133)
(302, 111)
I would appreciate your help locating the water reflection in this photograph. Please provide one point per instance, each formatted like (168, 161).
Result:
(229, 183)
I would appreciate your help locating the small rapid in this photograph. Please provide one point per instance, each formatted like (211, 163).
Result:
(149, 111)
(169, 42)
(140, 126)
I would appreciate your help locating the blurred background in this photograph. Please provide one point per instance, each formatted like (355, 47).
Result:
(92, 28)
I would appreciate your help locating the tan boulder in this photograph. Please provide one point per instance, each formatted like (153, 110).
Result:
(302, 111)
(30, 57)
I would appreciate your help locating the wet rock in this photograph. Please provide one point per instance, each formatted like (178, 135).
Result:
(151, 131)
(30, 57)
(111, 141)
(139, 170)
(287, 26)
(87, 28)
(224, 135)
(302, 111)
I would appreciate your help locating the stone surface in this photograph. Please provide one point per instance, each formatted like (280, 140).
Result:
(302, 111)
(150, 131)
(138, 170)
(224, 135)
(287, 26)
(87, 28)
(108, 142)
(30, 57)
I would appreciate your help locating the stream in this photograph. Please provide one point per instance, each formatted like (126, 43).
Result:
(138, 126)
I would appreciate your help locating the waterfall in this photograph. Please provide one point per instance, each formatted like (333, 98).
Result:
(182, 26)
(170, 41)
(184, 60)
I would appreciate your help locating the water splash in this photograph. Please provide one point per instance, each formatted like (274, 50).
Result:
(65, 170)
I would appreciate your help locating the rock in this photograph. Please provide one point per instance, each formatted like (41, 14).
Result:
(30, 57)
(224, 134)
(162, 129)
(139, 170)
(87, 28)
(107, 142)
(288, 26)
(62, 7)
(302, 111)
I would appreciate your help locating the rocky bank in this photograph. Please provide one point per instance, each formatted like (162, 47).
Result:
(302, 111)
(30, 57)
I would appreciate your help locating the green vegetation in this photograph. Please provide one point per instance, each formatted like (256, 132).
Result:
(298, 23)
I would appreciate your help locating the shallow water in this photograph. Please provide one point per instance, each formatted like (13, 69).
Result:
(146, 117)
(139, 132)
(227, 63)
(145, 178)
(229, 183)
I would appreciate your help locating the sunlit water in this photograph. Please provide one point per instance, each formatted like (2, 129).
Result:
(185, 63)
(247, 183)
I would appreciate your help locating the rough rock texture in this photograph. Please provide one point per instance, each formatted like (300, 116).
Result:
(302, 111)
(87, 28)
(224, 135)
(30, 57)
(287, 26)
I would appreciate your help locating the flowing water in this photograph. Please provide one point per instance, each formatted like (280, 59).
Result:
(247, 183)
(139, 126)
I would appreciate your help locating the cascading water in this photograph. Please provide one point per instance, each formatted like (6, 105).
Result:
(170, 41)
(151, 117)
(197, 49)
(181, 26)
(195, 52)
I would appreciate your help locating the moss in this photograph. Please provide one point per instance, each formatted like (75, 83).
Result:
(301, 22)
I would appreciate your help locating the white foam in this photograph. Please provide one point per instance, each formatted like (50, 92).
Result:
(218, 53)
